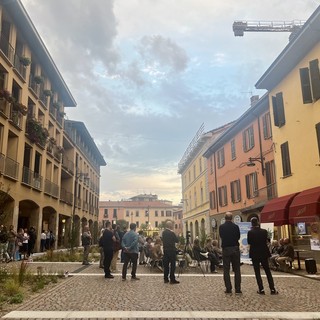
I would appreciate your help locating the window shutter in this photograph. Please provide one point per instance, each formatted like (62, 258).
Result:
(286, 168)
(275, 112)
(248, 186)
(318, 136)
(305, 85)
(315, 78)
(232, 191)
(280, 108)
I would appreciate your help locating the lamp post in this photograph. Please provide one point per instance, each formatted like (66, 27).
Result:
(148, 215)
(251, 163)
(78, 175)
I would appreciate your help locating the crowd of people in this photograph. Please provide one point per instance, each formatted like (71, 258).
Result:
(20, 244)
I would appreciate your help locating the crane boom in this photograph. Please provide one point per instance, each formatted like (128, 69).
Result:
(239, 27)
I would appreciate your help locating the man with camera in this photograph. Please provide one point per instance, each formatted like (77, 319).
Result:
(169, 240)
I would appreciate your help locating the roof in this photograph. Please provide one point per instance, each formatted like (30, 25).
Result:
(31, 35)
(238, 125)
(82, 130)
(293, 53)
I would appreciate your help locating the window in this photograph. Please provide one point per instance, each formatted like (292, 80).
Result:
(248, 139)
(233, 149)
(156, 224)
(213, 203)
(310, 82)
(318, 136)
(200, 164)
(137, 223)
(195, 196)
(222, 195)
(235, 191)
(115, 213)
(156, 213)
(162, 213)
(278, 110)
(252, 185)
(220, 155)
(286, 168)
(271, 179)
(127, 213)
(105, 214)
(201, 193)
(137, 213)
(146, 213)
(194, 172)
(266, 122)
(211, 164)
(168, 213)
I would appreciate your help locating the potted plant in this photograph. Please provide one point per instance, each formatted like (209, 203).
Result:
(56, 105)
(47, 93)
(25, 61)
(38, 79)
(36, 132)
(20, 107)
(5, 94)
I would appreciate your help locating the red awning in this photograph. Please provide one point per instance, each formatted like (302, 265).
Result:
(277, 210)
(305, 206)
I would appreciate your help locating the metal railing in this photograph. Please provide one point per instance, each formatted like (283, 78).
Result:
(11, 168)
(19, 66)
(4, 107)
(66, 196)
(51, 188)
(7, 48)
(67, 164)
(31, 178)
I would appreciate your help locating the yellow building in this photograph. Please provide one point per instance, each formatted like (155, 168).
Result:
(145, 210)
(293, 83)
(49, 167)
(194, 178)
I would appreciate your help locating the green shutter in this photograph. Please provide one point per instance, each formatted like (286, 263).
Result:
(280, 108)
(305, 85)
(318, 136)
(275, 112)
(315, 79)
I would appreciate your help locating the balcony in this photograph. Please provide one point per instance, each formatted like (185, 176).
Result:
(85, 205)
(31, 178)
(36, 132)
(4, 108)
(7, 49)
(20, 67)
(67, 164)
(10, 167)
(34, 86)
(51, 188)
(66, 196)
(16, 118)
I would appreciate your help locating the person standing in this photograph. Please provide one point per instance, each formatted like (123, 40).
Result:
(116, 248)
(259, 254)
(4, 256)
(230, 235)
(12, 236)
(32, 240)
(107, 244)
(43, 238)
(86, 241)
(142, 242)
(169, 240)
(131, 251)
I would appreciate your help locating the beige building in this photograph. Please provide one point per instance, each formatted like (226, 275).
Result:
(146, 210)
(49, 167)
(194, 177)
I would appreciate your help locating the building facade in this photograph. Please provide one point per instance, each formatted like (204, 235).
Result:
(145, 210)
(194, 178)
(241, 168)
(44, 158)
(293, 83)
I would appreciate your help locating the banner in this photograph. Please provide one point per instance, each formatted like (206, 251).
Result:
(244, 247)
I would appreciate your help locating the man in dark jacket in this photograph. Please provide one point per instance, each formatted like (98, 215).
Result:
(106, 243)
(230, 235)
(169, 240)
(259, 254)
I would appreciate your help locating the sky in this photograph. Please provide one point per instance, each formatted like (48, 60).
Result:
(147, 73)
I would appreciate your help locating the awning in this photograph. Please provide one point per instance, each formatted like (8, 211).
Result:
(305, 206)
(277, 210)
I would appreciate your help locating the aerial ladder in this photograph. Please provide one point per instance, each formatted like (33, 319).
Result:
(239, 27)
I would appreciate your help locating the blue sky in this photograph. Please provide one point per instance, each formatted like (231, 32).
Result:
(147, 73)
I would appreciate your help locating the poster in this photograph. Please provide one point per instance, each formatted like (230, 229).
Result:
(269, 226)
(244, 247)
(315, 236)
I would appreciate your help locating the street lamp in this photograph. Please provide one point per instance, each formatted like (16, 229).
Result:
(251, 163)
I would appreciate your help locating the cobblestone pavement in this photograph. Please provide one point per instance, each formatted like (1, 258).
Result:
(86, 294)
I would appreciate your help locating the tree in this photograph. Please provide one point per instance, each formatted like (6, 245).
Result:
(122, 224)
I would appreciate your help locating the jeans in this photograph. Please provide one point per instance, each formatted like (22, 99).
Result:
(169, 265)
(133, 257)
(265, 264)
(86, 251)
(231, 255)
(108, 254)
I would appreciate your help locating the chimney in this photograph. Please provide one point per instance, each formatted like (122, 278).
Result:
(254, 100)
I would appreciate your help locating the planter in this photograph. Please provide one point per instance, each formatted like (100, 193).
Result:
(25, 61)
(36, 132)
(47, 93)
(38, 79)
(20, 107)
(5, 94)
